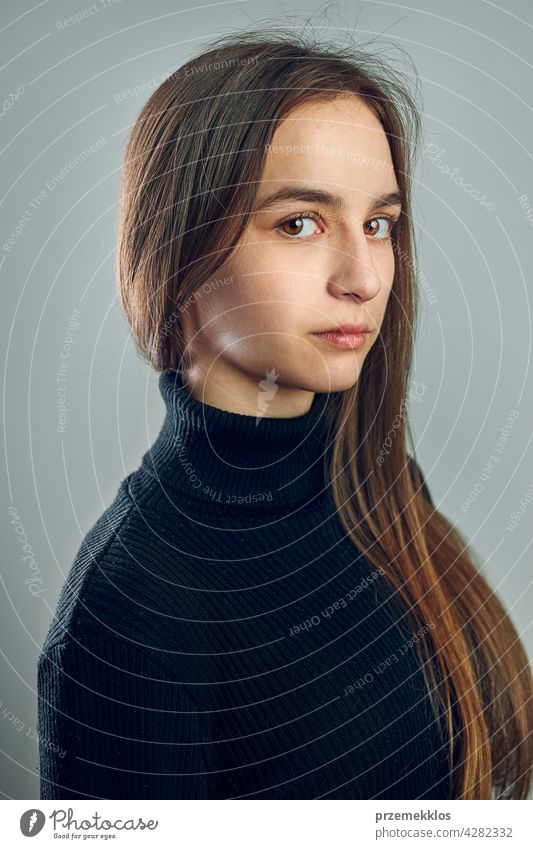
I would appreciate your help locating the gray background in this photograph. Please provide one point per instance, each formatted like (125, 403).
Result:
(473, 351)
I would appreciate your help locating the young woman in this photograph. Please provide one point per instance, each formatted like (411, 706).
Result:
(272, 607)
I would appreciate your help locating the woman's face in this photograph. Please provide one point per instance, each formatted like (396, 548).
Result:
(294, 275)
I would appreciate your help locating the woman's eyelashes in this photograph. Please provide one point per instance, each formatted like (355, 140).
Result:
(294, 222)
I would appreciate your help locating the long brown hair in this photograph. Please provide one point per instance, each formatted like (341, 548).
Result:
(192, 167)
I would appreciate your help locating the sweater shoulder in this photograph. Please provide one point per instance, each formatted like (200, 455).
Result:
(96, 547)
(124, 580)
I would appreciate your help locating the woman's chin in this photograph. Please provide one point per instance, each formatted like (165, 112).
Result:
(332, 382)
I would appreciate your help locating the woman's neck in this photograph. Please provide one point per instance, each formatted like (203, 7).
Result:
(231, 389)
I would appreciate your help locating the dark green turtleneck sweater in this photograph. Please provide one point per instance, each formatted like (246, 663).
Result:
(218, 636)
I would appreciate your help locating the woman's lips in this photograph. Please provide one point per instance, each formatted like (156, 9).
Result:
(340, 339)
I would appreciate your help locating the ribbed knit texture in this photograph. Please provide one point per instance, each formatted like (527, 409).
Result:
(218, 636)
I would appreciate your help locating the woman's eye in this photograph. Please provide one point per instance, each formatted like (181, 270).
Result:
(383, 233)
(296, 222)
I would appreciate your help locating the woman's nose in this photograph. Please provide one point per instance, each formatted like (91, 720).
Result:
(354, 273)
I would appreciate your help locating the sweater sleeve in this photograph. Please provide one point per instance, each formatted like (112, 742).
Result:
(112, 726)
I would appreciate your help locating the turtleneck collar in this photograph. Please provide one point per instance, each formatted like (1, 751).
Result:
(240, 462)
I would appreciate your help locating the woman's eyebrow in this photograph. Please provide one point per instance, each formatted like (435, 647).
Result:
(308, 194)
